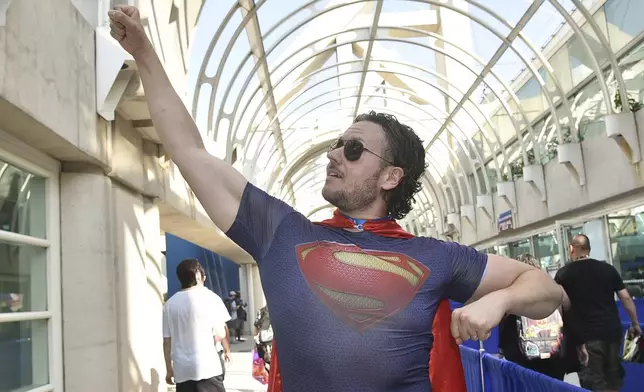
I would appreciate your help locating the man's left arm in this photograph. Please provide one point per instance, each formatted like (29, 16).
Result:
(520, 288)
(167, 354)
(222, 316)
(559, 279)
(491, 286)
(226, 344)
(167, 347)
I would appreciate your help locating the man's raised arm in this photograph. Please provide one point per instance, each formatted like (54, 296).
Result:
(216, 184)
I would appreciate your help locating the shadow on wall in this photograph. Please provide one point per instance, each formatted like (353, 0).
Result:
(155, 380)
(139, 295)
(222, 274)
(139, 382)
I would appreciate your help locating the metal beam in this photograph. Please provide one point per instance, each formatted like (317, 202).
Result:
(534, 7)
(256, 42)
(367, 58)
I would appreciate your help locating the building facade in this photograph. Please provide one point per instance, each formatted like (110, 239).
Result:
(516, 164)
(86, 194)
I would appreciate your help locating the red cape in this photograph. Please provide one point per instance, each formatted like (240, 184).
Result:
(445, 366)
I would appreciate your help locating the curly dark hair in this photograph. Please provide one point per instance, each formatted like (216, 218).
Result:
(187, 272)
(405, 150)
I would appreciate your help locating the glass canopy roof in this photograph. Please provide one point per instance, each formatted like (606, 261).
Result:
(486, 84)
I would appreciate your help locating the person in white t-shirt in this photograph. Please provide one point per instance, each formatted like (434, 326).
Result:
(194, 322)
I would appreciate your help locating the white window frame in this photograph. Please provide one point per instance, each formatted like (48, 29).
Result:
(50, 170)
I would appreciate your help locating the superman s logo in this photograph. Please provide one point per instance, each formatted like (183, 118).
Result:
(360, 287)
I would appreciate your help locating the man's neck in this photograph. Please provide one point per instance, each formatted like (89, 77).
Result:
(364, 215)
(584, 257)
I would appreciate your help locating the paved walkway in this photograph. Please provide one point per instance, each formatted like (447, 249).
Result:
(239, 371)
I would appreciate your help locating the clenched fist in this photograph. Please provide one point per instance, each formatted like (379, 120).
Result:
(476, 320)
(126, 28)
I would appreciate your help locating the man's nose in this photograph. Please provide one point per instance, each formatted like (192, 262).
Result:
(335, 155)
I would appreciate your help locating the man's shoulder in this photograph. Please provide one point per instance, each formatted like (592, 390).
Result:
(212, 293)
(567, 271)
(587, 268)
(215, 297)
(205, 293)
(563, 270)
(173, 300)
(594, 264)
(428, 249)
(607, 270)
(438, 245)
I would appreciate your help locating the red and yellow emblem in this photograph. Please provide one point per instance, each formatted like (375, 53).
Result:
(361, 287)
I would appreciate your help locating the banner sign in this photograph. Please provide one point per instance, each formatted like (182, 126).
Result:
(505, 221)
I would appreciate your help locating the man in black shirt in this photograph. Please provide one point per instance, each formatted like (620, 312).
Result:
(591, 285)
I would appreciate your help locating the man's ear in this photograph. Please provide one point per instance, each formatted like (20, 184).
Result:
(394, 177)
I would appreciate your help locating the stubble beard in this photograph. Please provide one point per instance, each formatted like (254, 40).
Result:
(357, 198)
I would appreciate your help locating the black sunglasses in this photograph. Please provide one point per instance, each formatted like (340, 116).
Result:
(353, 150)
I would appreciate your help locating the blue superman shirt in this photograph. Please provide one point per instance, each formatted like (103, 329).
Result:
(352, 312)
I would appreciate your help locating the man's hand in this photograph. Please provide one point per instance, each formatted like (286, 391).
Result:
(169, 378)
(635, 330)
(582, 355)
(227, 356)
(127, 29)
(476, 320)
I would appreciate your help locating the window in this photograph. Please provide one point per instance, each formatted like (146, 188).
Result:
(546, 250)
(519, 248)
(30, 319)
(626, 231)
(624, 21)
(560, 63)
(588, 111)
(531, 98)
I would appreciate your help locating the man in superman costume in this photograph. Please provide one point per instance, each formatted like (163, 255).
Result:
(445, 366)
(353, 300)
(368, 293)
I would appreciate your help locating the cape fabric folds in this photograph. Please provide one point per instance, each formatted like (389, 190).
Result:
(445, 366)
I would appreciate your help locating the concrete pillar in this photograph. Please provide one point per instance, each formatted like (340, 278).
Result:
(245, 293)
(88, 283)
(139, 291)
(112, 285)
(252, 308)
(258, 290)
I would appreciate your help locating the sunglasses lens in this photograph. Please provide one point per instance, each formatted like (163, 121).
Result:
(353, 150)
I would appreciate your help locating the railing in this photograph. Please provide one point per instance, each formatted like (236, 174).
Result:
(486, 373)
(481, 370)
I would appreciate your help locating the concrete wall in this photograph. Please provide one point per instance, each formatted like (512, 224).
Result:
(48, 99)
(47, 93)
(89, 282)
(117, 191)
(112, 285)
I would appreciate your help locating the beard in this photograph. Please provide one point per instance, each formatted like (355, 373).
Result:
(356, 197)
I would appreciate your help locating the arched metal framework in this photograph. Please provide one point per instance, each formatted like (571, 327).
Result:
(334, 62)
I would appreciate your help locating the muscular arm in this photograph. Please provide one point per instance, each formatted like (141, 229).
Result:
(216, 184)
(522, 289)
(629, 305)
